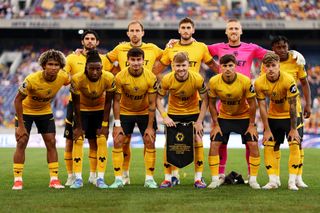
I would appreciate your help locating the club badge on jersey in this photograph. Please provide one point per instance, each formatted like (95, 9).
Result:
(180, 144)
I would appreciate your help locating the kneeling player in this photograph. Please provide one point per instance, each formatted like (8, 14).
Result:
(237, 114)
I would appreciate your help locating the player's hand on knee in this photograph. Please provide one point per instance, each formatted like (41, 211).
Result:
(267, 136)
(169, 122)
(198, 127)
(103, 131)
(294, 135)
(117, 130)
(21, 134)
(252, 130)
(215, 130)
(77, 133)
(149, 135)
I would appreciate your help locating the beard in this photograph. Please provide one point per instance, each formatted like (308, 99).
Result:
(186, 38)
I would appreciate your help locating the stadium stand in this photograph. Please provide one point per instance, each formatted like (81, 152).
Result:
(157, 10)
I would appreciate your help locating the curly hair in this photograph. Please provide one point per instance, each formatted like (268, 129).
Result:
(52, 54)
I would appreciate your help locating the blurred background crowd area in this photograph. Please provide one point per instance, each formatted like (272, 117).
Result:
(157, 10)
(11, 79)
(20, 48)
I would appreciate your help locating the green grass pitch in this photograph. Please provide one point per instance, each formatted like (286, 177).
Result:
(37, 197)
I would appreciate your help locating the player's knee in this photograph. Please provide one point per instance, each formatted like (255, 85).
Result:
(149, 143)
(276, 147)
(127, 140)
(93, 144)
(51, 143)
(118, 141)
(22, 143)
(253, 148)
(69, 145)
(214, 147)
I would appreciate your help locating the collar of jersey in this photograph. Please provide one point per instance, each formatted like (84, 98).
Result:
(234, 46)
(185, 44)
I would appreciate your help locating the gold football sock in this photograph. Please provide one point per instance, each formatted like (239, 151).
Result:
(294, 157)
(117, 161)
(17, 169)
(149, 161)
(167, 166)
(126, 154)
(214, 164)
(254, 165)
(300, 171)
(102, 153)
(93, 159)
(269, 157)
(77, 155)
(68, 161)
(277, 164)
(198, 157)
(53, 169)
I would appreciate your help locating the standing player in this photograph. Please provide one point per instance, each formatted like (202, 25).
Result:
(244, 53)
(197, 53)
(32, 104)
(280, 45)
(237, 114)
(281, 118)
(119, 53)
(135, 103)
(76, 63)
(92, 92)
(183, 86)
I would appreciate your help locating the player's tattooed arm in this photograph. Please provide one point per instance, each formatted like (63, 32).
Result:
(293, 134)
(293, 112)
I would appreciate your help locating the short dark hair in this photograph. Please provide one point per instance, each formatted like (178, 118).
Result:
(52, 55)
(86, 32)
(279, 38)
(186, 20)
(227, 58)
(93, 56)
(135, 52)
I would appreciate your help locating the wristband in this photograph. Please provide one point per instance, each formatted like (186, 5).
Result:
(164, 115)
(117, 123)
(105, 123)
